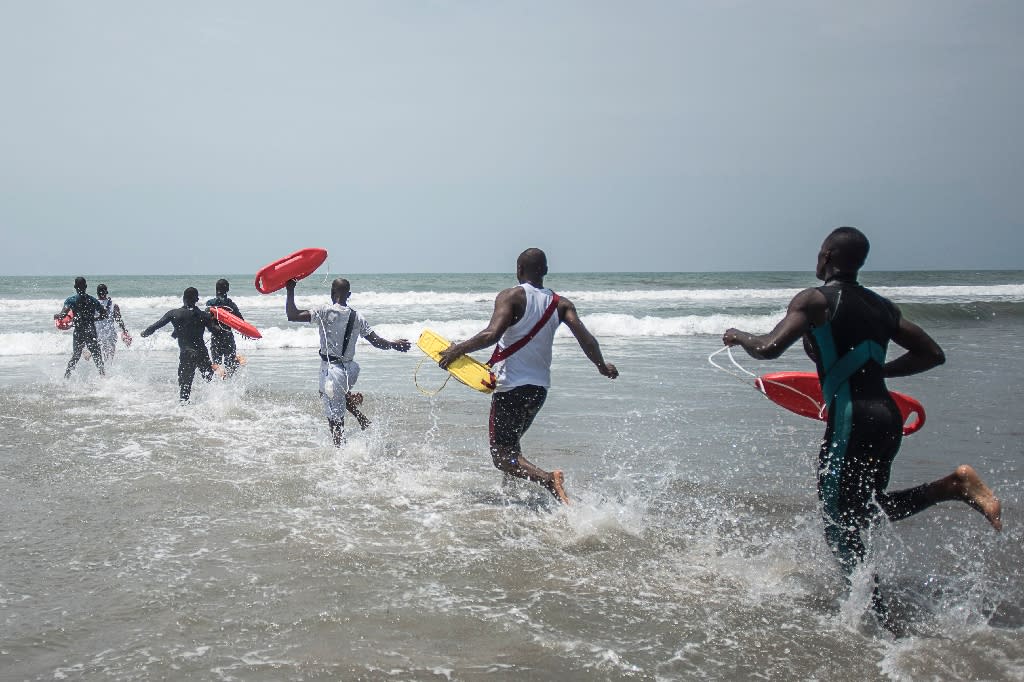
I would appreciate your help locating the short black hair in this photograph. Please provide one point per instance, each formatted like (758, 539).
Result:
(533, 262)
(80, 284)
(851, 247)
(222, 286)
(101, 287)
(191, 295)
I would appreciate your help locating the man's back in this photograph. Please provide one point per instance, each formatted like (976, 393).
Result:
(531, 364)
(858, 330)
(189, 326)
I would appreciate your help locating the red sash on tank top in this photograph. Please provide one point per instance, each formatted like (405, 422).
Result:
(500, 354)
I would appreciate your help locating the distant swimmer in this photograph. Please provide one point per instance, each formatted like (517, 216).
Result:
(87, 310)
(340, 327)
(222, 339)
(190, 323)
(106, 328)
(846, 329)
(525, 318)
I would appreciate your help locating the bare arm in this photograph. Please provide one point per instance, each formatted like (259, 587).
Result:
(567, 313)
(293, 313)
(505, 306)
(806, 309)
(922, 351)
(119, 319)
(401, 345)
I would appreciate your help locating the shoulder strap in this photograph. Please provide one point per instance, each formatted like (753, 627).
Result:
(348, 330)
(500, 354)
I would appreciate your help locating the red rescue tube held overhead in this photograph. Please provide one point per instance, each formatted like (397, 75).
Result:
(800, 392)
(298, 265)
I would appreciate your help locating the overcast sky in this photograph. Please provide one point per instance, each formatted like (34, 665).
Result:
(439, 136)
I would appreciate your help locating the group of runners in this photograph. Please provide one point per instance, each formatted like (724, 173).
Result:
(845, 328)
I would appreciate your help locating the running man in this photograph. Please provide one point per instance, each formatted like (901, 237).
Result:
(106, 328)
(525, 318)
(846, 329)
(87, 310)
(190, 323)
(222, 339)
(340, 328)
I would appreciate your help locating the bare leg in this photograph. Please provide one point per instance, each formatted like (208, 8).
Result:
(513, 463)
(352, 403)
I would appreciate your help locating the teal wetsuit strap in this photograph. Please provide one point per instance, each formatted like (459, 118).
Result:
(843, 368)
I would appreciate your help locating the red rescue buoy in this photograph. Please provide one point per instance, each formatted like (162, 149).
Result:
(800, 392)
(302, 263)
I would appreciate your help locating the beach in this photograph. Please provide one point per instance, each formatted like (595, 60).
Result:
(229, 540)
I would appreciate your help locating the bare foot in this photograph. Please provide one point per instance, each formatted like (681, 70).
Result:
(974, 492)
(557, 486)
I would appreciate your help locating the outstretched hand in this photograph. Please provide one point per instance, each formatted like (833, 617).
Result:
(608, 370)
(401, 345)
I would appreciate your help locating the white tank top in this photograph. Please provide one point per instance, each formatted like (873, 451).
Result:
(531, 364)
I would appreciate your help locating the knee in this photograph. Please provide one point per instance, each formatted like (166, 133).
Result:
(504, 459)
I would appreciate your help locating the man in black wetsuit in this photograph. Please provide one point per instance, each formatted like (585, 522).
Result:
(87, 310)
(222, 339)
(846, 329)
(189, 325)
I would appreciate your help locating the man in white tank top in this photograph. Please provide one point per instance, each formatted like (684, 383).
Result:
(525, 319)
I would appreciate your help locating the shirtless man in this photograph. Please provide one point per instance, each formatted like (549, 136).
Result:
(340, 327)
(190, 323)
(846, 329)
(525, 318)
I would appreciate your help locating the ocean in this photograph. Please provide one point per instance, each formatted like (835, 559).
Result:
(229, 540)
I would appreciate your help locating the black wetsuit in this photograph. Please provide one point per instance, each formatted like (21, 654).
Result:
(865, 427)
(87, 310)
(222, 339)
(189, 325)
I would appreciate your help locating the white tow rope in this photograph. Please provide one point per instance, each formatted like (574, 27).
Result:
(758, 381)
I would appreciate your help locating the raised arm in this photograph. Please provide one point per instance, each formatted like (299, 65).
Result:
(567, 313)
(293, 313)
(807, 308)
(922, 351)
(505, 306)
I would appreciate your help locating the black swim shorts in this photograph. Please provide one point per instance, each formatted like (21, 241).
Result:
(512, 412)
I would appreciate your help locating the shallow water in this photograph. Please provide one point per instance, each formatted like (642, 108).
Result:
(229, 540)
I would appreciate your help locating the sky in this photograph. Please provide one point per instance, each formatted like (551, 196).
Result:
(447, 136)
